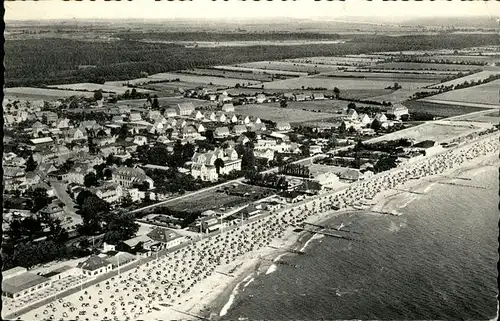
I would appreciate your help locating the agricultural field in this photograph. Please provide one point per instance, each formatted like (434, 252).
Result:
(339, 61)
(440, 110)
(224, 72)
(422, 66)
(326, 106)
(173, 86)
(474, 77)
(492, 117)
(253, 70)
(463, 58)
(289, 66)
(437, 131)
(167, 102)
(365, 93)
(229, 82)
(482, 96)
(386, 75)
(398, 96)
(93, 87)
(275, 113)
(215, 200)
(320, 81)
(32, 93)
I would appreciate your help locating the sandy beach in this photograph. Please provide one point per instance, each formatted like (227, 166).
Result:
(192, 281)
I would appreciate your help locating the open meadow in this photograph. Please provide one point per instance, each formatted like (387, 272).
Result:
(333, 106)
(225, 72)
(275, 113)
(339, 61)
(481, 95)
(254, 70)
(167, 102)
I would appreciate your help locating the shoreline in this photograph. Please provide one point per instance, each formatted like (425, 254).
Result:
(389, 200)
(198, 281)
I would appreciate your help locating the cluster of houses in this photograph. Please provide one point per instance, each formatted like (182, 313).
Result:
(363, 122)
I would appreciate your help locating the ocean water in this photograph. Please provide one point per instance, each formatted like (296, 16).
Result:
(436, 261)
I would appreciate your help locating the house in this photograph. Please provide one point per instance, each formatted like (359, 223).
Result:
(200, 128)
(326, 176)
(166, 237)
(120, 259)
(189, 131)
(239, 129)
(49, 117)
(133, 117)
(18, 283)
(315, 149)
(397, 111)
(260, 98)
(299, 97)
(242, 139)
(352, 115)
(228, 108)
(266, 153)
(204, 164)
(184, 109)
(62, 272)
(244, 120)
(318, 96)
(62, 123)
(210, 116)
(153, 115)
(78, 171)
(198, 115)
(73, 134)
(41, 143)
(128, 177)
(108, 192)
(220, 117)
(233, 119)
(382, 118)
(364, 119)
(170, 112)
(95, 266)
(207, 224)
(140, 140)
(221, 132)
(283, 126)
(212, 97)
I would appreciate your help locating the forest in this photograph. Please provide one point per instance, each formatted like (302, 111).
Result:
(39, 62)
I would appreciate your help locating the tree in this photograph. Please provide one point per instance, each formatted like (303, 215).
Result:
(336, 91)
(209, 135)
(40, 199)
(90, 180)
(283, 103)
(219, 163)
(123, 132)
(247, 159)
(31, 164)
(177, 154)
(351, 105)
(127, 200)
(120, 227)
(93, 211)
(376, 125)
(155, 104)
(187, 151)
(98, 94)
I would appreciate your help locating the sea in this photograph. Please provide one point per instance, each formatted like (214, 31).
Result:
(436, 261)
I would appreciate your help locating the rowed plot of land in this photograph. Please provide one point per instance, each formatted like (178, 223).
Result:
(423, 66)
(470, 78)
(289, 66)
(227, 197)
(230, 82)
(93, 87)
(438, 109)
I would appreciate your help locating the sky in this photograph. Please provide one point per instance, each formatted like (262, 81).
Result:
(218, 9)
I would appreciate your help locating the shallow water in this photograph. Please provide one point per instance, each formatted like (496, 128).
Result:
(436, 261)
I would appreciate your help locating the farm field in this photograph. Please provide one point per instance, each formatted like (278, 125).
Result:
(243, 68)
(398, 96)
(463, 58)
(342, 83)
(216, 44)
(326, 106)
(32, 93)
(175, 85)
(483, 95)
(275, 113)
(364, 93)
(340, 61)
(427, 77)
(212, 199)
(289, 66)
(492, 117)
(440, 110)
(474, 77)
(436, 131)
(167, 102)
(226, 73)
(92, 87)
(422, 66)
(230, 82)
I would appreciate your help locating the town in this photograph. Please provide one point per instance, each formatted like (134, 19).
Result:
(144, 188)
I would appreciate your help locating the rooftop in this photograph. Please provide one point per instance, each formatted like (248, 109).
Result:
(22, 282)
